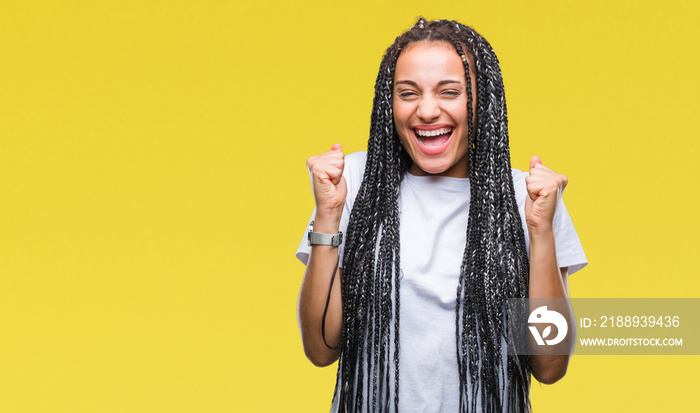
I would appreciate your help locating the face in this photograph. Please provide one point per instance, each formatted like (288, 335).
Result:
(430, 109)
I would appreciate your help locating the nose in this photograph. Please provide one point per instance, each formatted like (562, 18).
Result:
(428, 109)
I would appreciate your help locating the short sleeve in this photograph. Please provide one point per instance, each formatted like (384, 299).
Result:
(353, 173)
(568, 246)
(569, 249)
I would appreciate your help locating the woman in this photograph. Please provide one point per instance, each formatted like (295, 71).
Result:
(431, 208)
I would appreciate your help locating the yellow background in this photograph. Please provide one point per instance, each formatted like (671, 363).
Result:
(153, 186)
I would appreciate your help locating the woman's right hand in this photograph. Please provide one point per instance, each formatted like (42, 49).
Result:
(328, 185)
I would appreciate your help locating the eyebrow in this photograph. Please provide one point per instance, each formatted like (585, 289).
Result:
(414, 84)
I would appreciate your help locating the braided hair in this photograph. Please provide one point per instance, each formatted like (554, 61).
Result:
(494, 265)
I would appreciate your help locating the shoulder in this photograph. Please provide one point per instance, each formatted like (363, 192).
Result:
(355, 167)
(519, 184)
(354, 173)
(356, 160)
(518, 175)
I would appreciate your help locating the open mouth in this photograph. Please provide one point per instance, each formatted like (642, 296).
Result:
(435, 139)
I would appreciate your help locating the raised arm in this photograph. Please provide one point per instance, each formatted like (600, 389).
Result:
(330, 189)
(547, 280)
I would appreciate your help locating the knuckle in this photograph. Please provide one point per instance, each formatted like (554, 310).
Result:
(311, 161)
(315, 169)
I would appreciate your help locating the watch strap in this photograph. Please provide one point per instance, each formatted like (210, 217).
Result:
(319, 238)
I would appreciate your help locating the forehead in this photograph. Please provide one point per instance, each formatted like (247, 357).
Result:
(429, 61)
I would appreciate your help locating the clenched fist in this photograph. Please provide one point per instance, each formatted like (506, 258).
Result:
(328, 185)
(544, 187)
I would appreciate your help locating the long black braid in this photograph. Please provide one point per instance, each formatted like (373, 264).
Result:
(494, 266)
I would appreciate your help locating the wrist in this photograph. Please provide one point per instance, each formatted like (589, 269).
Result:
(541, 232)
(327, 224)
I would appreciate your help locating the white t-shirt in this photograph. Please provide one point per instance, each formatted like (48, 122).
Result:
(434, 213)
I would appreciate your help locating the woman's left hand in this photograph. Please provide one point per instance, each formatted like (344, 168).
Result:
(544, 187)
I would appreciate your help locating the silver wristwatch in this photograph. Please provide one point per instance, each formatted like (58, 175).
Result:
(318, 238)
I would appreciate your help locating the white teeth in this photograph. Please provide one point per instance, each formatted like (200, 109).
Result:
(435, 132)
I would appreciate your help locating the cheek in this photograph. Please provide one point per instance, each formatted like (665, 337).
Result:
(403, 140)
(458, 110)
(399, 126)
(402, 113)
(401, 129)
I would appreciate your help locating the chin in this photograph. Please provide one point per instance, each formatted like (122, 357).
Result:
(432, 168)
